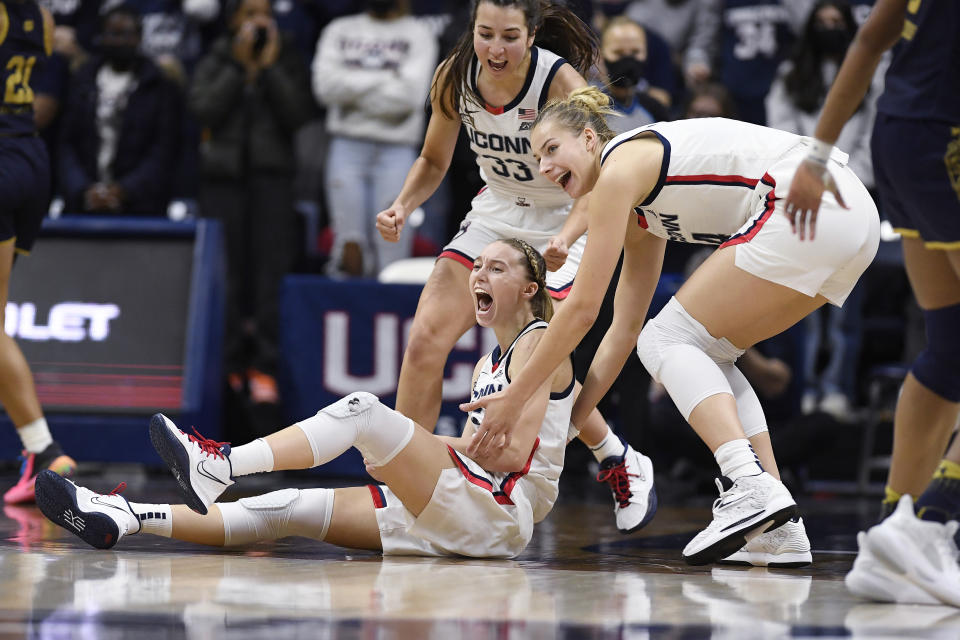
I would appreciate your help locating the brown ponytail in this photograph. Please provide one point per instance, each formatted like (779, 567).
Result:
(557, 29)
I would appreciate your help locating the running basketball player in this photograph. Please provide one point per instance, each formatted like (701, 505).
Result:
(26, 40)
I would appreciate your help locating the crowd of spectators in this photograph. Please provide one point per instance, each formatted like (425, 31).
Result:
(286, 118)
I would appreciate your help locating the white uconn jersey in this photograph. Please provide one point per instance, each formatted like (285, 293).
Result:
(713, 178)
(500, 137)
(539, 479)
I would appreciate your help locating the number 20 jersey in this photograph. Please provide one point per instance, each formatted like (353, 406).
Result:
(500, 136)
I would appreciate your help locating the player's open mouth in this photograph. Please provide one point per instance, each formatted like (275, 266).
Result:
(484, 300)
(564, 179)
(497, 66)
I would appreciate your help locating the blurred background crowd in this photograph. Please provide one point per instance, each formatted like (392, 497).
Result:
(294, 122)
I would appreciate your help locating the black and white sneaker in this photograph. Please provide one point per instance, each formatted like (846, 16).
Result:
(201, 466)
(745, 509)
(100, 520)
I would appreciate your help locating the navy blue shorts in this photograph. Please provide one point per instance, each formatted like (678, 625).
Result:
(24, 189)
(917, 168)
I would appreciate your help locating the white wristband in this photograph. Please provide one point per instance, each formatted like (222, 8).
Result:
(819, 151)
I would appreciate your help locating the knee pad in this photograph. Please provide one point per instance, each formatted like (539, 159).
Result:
(749, 409)
(288, 512)
(673, 326)
(358, 420)
(682, 355)
(936, 367)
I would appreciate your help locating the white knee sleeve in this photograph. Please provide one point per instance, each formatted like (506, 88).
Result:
(681, 354)
(748, 404)
(359, 420)
(288, 512)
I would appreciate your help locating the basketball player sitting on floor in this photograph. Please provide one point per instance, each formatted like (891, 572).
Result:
(435, 500)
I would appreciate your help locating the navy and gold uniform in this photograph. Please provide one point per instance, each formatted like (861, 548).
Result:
(25, 42)
(916, 139)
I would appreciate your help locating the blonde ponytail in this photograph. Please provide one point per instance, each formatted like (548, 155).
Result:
(584, 107)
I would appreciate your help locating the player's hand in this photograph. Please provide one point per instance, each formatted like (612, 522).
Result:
(390, 223)
(806, 193)
(493, 432)
(556, 253)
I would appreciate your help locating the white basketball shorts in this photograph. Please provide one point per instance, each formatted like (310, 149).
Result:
(469, 514)
(845, 243)
(494, 217)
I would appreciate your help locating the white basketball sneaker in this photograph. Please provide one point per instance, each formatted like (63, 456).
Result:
(630, 478)
(907, 560)
(746, 508)
(786, 547)
(201, 466)
(99, 520)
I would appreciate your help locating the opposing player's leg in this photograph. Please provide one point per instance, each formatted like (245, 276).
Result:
(444, 313)
(905, 559)
(929, 401)
(19, 399)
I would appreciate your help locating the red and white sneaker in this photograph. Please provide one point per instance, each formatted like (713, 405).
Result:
(201, 466)
(22, 492)
(630, 478)
(100, 520)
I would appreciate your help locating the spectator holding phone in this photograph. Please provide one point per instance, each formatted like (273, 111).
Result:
(251, 93)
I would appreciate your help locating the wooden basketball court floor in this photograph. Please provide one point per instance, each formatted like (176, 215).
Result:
(579, 578)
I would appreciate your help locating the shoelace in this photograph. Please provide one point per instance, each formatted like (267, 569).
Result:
(728, 492)
(208, 446)
(619, 480)
(118, 489)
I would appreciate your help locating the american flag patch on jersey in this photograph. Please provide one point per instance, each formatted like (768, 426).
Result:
(526, 114)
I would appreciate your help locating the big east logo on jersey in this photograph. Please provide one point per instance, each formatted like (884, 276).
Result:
(66, 321)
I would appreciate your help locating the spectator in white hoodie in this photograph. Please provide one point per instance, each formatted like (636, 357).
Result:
(372, 71)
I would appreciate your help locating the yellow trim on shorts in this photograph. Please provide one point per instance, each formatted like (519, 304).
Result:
(913, 233)
(907, 233)
(949, 246)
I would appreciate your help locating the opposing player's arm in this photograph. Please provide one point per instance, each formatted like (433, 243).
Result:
(529, 420)
(879, 32)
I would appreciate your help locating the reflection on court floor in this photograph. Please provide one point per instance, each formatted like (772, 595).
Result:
(578, 579)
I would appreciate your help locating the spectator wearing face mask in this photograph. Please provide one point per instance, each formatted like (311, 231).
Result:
(796, 96)
(623, 46)
(120, 126)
